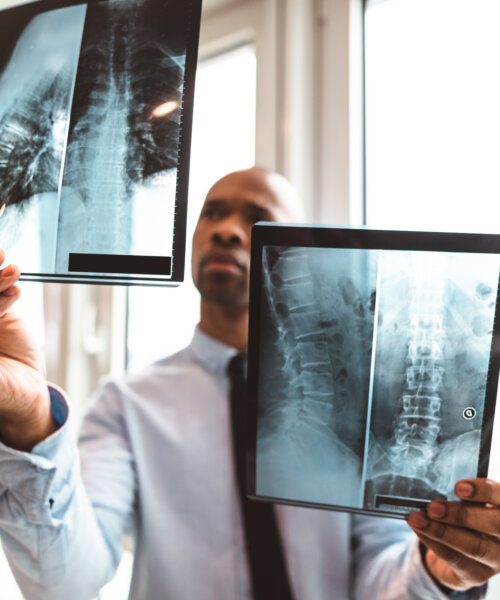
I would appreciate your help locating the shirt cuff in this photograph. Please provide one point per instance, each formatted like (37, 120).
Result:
(34, 479)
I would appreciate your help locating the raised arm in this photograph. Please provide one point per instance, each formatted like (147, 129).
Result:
(25, 413)
(62, 533)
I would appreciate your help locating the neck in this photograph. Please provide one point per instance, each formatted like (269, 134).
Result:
(227, 325)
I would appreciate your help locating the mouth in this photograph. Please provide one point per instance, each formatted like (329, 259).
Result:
(221, 263)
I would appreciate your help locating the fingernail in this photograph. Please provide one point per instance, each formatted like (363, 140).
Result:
(465, 489)
(418, 520)
(436, 510)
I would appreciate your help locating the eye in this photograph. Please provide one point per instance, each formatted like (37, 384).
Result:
(258, 216)
(212, 213)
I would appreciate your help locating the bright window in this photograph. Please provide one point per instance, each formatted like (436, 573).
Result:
(432, 114)
(161, 320)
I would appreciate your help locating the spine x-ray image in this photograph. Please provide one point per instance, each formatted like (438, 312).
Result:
(434, 327)
(92, 114)
(372, 374)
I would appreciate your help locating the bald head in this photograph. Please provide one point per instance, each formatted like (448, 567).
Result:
(273, 188)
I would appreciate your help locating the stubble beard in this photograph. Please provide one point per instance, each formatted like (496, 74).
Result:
(223, 290)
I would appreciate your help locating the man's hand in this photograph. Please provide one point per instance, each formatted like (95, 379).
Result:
(25, 411)
(462, 538)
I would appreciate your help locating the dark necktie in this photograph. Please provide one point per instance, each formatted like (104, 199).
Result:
(265, 553)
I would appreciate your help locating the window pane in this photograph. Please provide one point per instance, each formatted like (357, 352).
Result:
(223, 141)
(432, 114)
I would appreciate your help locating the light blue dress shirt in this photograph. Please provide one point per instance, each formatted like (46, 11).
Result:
(156, 461)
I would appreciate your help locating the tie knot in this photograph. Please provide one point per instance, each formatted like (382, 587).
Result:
(237, 367)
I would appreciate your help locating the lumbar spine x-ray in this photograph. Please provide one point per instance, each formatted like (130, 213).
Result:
(372, 374)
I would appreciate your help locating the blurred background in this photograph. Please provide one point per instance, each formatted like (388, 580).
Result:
(381, 112)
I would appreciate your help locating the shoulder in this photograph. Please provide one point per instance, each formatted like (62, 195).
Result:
(160, 380)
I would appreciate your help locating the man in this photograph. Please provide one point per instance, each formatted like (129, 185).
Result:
(156, 460)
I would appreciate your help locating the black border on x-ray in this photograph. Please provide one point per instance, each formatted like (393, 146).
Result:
(323, 236)
(178, 258)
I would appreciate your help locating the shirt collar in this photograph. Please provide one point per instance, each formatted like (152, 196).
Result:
(211, 353)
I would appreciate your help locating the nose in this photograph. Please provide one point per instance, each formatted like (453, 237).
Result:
(230, 233)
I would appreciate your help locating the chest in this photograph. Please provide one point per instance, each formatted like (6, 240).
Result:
(182, 446)
(188, 501)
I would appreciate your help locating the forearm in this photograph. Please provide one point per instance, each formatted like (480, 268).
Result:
(60, 558)
(56, 541)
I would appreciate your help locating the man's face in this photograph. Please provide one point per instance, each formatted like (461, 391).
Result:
(221, 241)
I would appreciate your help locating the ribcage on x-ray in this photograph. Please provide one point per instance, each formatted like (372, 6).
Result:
(123, 75)
(114, 144)
(30, 155)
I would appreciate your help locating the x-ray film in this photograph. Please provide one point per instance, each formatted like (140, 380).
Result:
(373, 365)
(95, 126)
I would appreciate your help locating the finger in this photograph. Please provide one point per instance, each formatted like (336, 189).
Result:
(9, 292)
(8, 277)
(8, 298)
(462, 572)
(468, 515)
(2, 256)
(458, 541)
(479, 490)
